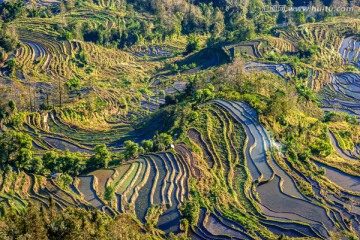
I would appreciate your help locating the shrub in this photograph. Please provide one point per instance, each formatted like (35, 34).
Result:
(311, 20)
(66, 35)
(15, 148)
(202, 95)
(73, 84)
(100, 159)
(193, 44)
(299, 17)
(148, 145)
(11, 64)
(64, 181)
(109, 194)
(162, 142)
(190, 210)
(352, 69)
(36, 166)
(83, 56)
(131, 149)
(174, 68)
(306, 50)
(321, 148)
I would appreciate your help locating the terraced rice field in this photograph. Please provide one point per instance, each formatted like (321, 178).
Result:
(155, 179)
(251, 48)
(346, 85)
(86, 188)
(51, 131)
(28, 188)
(328, 40)
(162, 179)
(349, 50)
(244, 188)
(342, 179)
(102, 177)
(343, 93)
(346, 154)
(282, 70)
(277, 194)
(152, 52)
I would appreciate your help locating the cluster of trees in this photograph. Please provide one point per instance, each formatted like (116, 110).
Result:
(7, 109)
(222, 22)
(16, 149)
(306, 50)
(70, 163)
(8, 41)
(160, 142)
(238, 21)
(42, 223)
(320, 13)
(75, 163)
(127, 33)
(10, 10)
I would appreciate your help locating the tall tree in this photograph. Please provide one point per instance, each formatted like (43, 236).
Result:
(101, 157)
(15, 148)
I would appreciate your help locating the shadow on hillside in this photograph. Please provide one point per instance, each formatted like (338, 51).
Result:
(203, 59)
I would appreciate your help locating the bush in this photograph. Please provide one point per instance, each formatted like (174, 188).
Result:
(64, 181)
(73, 84)
(66, 35)
(299, 17)
(36, 166)
(100, 159)
(311, 20)
(16, 149)
(190, 211)
(131, 149)
(174, 68)
(162, 142)
(306, 50)
(11, 64)
(83, 56)
(352, 69)
(148, 145)
(321, 148)
(109, 194)
(193, 44)
(202, 95)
